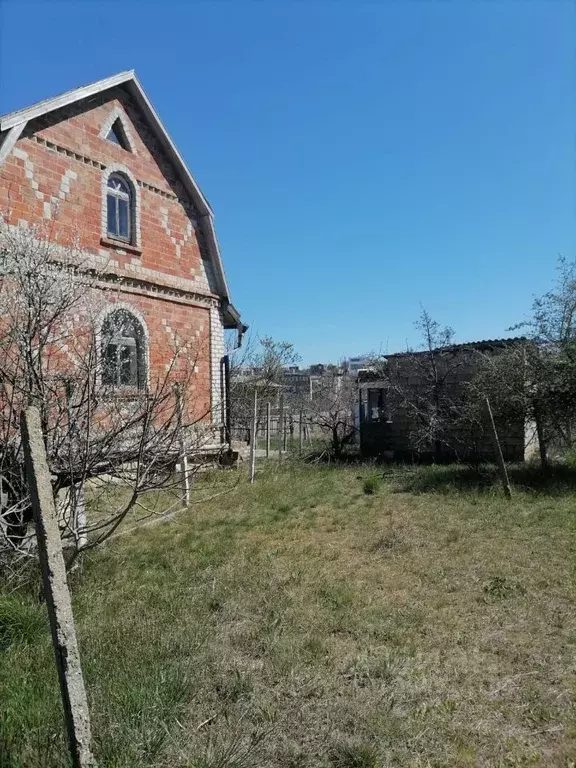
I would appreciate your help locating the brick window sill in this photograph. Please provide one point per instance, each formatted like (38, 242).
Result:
(120, 244)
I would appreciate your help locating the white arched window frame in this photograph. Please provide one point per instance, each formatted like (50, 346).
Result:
(123, 344)
(119, 186)
(119, 208)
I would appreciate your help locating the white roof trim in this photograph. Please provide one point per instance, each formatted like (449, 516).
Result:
(10, 140)
(48, 105)
(129, 79)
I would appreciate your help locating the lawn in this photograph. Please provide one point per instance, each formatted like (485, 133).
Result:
(317, 618)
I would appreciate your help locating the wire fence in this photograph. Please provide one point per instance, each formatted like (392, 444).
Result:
(275, 430)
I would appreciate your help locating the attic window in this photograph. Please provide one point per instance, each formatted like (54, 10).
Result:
(117, 135)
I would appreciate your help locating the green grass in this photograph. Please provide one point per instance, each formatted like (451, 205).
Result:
(371, 485)
(302, 623)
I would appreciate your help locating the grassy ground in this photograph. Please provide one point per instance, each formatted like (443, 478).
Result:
(318, 618)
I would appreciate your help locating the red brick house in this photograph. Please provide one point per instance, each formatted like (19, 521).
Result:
(97, 164)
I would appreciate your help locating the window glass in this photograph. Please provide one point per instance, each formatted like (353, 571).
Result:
(376, 411)
(113, 136)
(127, 365)
(109, 364)
(118, 208)
(123, 230)
(111, 206)
(123, 359)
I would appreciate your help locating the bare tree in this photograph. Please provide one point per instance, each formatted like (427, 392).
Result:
(535, 378)
(259, 364)
(427, 386)
(332, 410)
(109, 440)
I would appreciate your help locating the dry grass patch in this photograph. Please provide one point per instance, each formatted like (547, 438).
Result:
(300, 622)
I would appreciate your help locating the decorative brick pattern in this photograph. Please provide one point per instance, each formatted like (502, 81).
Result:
(67, 177)
(59, 168)
(68, 152)
(178, 242)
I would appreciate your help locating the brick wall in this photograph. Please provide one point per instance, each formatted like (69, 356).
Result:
(56, 175)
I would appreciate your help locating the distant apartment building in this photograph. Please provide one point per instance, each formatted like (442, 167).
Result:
(355, 364)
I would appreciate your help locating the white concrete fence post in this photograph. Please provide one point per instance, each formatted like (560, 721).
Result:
(58, 602)
(253, 437)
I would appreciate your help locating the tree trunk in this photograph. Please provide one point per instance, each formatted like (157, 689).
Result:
(336, 445)
(542, 447)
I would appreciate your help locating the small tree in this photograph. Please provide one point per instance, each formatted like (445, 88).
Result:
(425, 386)
(332, 411)
(536, 379)
(260, 364)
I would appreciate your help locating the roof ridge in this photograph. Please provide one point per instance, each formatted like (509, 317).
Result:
(125, 75)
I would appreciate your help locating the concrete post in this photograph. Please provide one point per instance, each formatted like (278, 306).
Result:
(185, 477)
(280, 426)
(268, 430)
(56, 592)
(253, 437)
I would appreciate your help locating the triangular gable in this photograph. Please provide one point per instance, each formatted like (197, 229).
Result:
(116, 129)
(15, 122)
(116, 136)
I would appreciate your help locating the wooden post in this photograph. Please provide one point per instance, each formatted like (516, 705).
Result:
(76, 713)
(498, 451)
(253, 437)
(300, 433)
(268, 430)
(284, 433)
(185, 479)
(280, 426)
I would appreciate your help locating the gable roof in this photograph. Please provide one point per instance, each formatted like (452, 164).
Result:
(14, 123)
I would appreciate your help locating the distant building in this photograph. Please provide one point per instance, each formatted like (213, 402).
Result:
(388, 427)
(355, 364)
(297, 382)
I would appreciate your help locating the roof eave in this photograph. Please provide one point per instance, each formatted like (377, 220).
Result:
(57, 102)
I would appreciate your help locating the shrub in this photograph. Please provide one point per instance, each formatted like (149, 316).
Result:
(371, 485)
(354, 756)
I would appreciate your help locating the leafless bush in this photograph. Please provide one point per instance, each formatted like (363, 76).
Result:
(103, 430)
(331, 410)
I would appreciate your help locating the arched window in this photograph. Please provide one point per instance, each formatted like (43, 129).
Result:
(123, 351)
(119, 208)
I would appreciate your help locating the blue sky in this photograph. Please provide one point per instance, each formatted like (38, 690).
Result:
(361, 157)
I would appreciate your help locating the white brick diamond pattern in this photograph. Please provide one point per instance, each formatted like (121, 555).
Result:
(177, 242)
